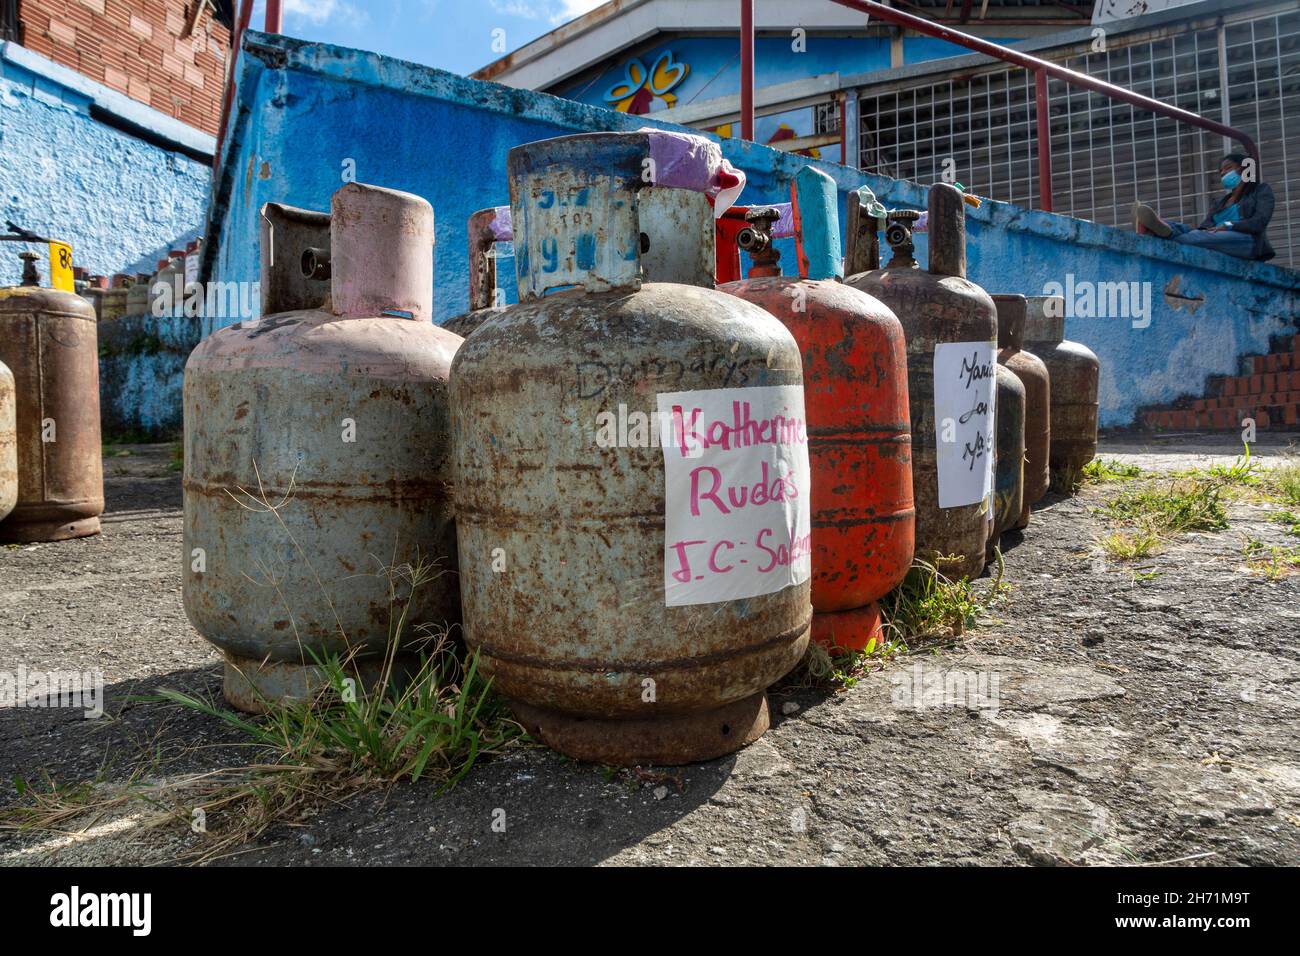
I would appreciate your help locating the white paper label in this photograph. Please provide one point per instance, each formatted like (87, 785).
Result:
(192, 268)
(736, 483)
(965, 389)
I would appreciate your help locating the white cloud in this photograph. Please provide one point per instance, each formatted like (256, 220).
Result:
(556, 11)
(571, 9)
(318, 12)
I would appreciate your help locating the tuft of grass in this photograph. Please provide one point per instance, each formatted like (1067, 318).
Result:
(1240, 472)
(1288, 518)
(177, 460)
(432, 724)
(929, 604)
(1101, 470)
(846, 668)
(1175, 507)
(1131, 545)
(1271, 560)
(1286, 479)
(436, 726)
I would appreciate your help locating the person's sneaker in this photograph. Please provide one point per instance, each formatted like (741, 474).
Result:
(1146, 217)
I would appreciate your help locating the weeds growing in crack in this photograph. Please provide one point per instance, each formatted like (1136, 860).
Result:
(1271, 560)
(926, 611)
(1164, 508)
(1131, 545)
(1101, 470)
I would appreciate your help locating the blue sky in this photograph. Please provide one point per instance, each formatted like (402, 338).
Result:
(454, 35)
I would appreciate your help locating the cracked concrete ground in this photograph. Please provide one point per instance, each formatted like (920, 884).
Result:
(1107, 713)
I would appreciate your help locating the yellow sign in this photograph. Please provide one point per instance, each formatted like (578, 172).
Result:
(61, 267)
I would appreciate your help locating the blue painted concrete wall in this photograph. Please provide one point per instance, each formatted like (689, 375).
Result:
(306, 113)
(141, 371)
(120, 201)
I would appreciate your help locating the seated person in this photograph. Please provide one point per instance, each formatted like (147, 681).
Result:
(1237, 224)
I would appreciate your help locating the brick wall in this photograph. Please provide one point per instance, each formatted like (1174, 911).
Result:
(1267, 390)
(135, 47)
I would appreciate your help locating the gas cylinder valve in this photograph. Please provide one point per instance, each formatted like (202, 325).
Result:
(756, 239)
(899, 235)
(30, 276)
(315, 263)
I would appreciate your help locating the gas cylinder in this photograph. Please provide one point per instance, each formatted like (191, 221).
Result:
(486, 228)
(1008, 456)
(855, 387)
(1074, 372)
(48, 341)
(8, 442)
(1033, 375)
(113, 305)
(137, 296)
(159, 288)
(317, 461)
(951, 329)
(93, 289)
(631, 467)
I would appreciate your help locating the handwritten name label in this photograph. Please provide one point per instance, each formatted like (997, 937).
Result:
(965, 390)
(736, 487)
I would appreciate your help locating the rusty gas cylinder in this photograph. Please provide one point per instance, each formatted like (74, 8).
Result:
(1074, 372)
(48, 340)
(113, 305)
(1008, 457)
(631, 467)
(1033, 375)
(951, 329)
(317, 456)
(855, 387)
(485, 228)
(8, 442)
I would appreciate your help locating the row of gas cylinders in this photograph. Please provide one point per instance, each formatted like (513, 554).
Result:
(123, 295)
(51, 465)
(639, 488)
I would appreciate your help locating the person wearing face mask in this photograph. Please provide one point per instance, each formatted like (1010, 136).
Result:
(1237, 224)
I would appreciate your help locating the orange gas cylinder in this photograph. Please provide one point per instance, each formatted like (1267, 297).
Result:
(855, 390)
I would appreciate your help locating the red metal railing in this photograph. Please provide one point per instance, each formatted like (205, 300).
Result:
(1042, 69)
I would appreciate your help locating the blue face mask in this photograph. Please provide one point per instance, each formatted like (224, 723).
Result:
(1231, 180)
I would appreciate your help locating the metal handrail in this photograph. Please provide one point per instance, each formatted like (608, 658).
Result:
(1042, 69)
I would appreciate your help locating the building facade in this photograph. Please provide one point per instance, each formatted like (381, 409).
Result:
(833, 85)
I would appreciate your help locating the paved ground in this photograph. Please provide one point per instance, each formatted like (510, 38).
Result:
(1139, 717)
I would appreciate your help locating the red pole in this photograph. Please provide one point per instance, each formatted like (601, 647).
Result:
(245, 13)
(274, 16)
(1044, 142)
(747, 69)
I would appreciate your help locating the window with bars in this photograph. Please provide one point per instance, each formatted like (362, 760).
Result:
(1106, 155)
